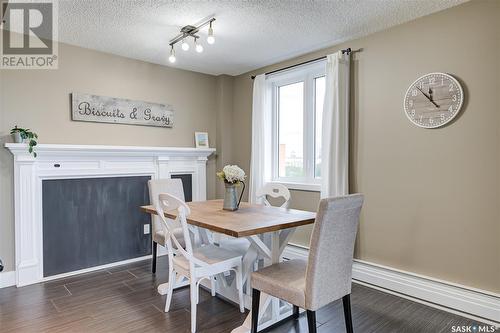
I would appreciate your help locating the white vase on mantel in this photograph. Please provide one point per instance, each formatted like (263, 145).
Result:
(17, 137)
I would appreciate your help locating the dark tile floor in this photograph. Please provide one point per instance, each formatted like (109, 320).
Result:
(124, 299)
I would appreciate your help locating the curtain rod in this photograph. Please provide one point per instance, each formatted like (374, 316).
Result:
(348, 51)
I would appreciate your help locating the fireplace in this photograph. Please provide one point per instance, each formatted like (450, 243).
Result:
(69, 170)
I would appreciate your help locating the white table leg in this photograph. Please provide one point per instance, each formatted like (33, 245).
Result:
(205, 237)
(269, 310)
(275, 258)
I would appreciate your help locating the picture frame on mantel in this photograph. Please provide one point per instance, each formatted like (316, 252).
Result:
(201, 139)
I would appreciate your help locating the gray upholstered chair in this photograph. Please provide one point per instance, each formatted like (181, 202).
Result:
(172, 187)
(326, 276)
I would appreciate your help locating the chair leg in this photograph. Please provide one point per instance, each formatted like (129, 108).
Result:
(170, 291)
(255, 309)
(155, 249)
(239, 286)
(212, 285)
(295, 314)
(194, 301)
(311, 321)
(346, 301)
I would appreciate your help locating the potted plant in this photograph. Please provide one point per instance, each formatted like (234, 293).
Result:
(233, 176)
(21, 135)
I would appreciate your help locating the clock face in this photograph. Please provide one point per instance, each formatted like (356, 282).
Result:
(433, 100)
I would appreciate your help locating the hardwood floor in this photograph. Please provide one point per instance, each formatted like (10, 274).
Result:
(124, 299)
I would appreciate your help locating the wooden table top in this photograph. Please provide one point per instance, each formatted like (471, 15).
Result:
(248, 220)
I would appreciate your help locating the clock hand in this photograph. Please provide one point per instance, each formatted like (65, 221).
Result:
(432, 98)
(428, 97)
(423, 93)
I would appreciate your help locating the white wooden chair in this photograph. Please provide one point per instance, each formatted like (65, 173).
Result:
(195, 264)
(275, 191)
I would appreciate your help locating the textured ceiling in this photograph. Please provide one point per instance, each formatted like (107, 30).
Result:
(249, 34)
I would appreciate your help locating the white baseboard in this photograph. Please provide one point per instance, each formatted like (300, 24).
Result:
(7, 279)
(465, 301)
(95, 268)
(293, 251)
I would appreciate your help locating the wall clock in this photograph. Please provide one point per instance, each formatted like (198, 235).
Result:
(433, 100)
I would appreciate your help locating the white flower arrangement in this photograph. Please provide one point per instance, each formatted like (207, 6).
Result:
(232, 174)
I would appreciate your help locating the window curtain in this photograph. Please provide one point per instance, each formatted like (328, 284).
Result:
(335, 127)
(260, 162)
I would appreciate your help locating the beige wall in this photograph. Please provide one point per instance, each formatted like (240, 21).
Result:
(432, 196)
(224, 97)
(39, 99)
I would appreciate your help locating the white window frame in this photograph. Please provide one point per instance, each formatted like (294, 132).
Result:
(307, 74)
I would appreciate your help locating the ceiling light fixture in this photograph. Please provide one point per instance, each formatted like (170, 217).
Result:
(192, 31)
(172, 54)
(211, 37)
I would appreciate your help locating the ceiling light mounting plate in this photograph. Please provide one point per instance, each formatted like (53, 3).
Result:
(190, 30)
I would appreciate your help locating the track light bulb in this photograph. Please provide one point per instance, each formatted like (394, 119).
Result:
(172, 55)
(199, 47)
(210, 38)
(185, 45)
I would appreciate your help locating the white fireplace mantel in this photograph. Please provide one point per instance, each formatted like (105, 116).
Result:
(56, 161)
(20, 149)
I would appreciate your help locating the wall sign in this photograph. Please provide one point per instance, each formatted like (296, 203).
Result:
(86, 107)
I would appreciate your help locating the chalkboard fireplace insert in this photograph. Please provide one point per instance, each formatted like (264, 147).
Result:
(90, 222)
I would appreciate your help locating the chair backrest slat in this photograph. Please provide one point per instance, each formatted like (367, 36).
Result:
(329, 269)
(167, 202)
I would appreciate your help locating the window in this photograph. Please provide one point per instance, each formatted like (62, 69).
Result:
(297, 111)
(291, 130)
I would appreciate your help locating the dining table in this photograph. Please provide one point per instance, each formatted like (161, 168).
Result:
(267, 230)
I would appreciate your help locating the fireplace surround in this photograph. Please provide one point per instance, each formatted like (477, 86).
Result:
(57, 161)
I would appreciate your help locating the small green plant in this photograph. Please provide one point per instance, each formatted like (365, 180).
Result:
(26, 135)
